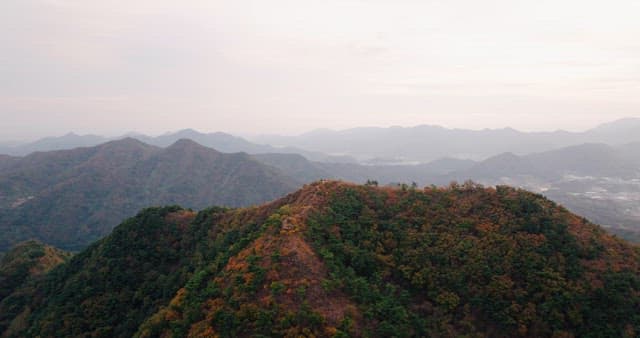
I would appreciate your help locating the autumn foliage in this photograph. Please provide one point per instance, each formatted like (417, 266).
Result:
(340, 260)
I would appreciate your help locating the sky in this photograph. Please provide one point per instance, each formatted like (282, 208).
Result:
(287, 67)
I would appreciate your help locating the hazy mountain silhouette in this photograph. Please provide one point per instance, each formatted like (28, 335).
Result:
(68, 141)
(394, 145)
(599, 160)
(427, 143)
(222, 142)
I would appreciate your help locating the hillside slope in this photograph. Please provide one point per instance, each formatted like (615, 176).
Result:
(71, 198)
(337, 259)
(26, 261)
(596, 160)
(597, 181)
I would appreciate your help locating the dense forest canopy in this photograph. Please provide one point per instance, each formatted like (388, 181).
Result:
(337, 259)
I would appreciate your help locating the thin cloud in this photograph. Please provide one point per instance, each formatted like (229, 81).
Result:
(290, 65)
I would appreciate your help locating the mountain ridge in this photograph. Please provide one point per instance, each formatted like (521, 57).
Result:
(412, 143)
(392, 143)
(221, 141)
(104, 184)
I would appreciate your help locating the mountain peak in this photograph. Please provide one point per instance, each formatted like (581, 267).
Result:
(189, 132)
(186, 144)
(125, 143)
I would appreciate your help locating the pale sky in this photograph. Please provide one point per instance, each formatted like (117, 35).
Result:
(277, 66)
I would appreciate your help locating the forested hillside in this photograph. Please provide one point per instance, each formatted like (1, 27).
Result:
(26, 261)
(596, 181)
(73, 197)
(335, 260)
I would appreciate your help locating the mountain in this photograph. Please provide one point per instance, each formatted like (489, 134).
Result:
(427, 143)
(303, 170)
(598, 160)
(26, 262)
(67, 141)
(297, 166)
(337, 259)
(624, 129)
(6, 161)
(376, 146)
(222, 142)
(589, 160)
(630, 152)
(227, 143)
(72, 197)
(598, 181)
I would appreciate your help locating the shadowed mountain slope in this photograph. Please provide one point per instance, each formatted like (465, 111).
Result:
(70, 198)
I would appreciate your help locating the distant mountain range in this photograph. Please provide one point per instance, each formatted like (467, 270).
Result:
(427, 143)
(375, 146)
(68, 141)
(340, 260)
(597, 160)
(70, 198)
(222, 142)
